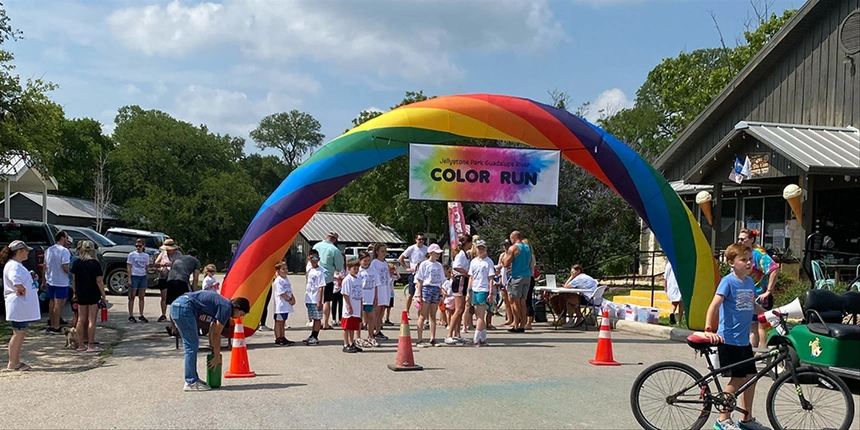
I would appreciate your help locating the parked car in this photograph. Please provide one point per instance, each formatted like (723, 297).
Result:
(127, 236)
(38, 235)
(113, 258)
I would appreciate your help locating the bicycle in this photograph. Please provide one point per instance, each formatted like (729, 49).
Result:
(803, 392)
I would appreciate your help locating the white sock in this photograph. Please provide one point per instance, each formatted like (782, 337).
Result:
(484, 335)
(477, 336)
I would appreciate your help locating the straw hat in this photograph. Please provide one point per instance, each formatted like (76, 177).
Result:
(169, 245)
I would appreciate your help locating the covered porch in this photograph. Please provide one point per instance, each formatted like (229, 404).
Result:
(18, 173)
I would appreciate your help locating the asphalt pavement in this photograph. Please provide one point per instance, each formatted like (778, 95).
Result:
(539, 379)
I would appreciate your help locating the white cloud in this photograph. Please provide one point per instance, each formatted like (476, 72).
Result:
(375, 109)
(226, 111)
(375, 37)
(130, 89)
(608, 103)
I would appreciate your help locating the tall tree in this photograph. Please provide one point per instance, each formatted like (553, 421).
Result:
(266, 172)
(294, 133)
(76, 162)
(102, 190)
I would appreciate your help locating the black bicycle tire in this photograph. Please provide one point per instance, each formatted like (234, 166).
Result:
(640, 380)
(846, 393)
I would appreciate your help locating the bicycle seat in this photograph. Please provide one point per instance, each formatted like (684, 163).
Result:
(699, 341)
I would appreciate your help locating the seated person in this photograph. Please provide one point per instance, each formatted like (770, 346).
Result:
(580, 281)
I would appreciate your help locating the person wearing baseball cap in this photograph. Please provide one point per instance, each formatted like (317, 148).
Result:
(429, 278)
(21, 299)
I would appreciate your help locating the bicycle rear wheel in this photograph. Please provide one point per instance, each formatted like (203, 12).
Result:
(830, 405)
(653, 389)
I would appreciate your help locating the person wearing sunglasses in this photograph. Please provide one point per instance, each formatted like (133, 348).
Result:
(135, 266)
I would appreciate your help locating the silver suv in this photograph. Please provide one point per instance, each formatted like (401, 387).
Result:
(127, 236)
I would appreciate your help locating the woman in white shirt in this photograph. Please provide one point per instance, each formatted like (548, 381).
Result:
(21, 297)
(458, 287)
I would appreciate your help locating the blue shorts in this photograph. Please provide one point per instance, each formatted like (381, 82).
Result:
(430, 294)
(367, 308)
(479, 298)
(61, 293)
(20, 325)
(282, 316)
(410, 284)
(138, 283)
(313, 313)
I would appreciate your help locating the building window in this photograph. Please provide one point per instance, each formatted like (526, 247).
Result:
(768, 216)
(727, 232)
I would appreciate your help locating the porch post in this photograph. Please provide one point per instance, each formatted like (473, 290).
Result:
(717, 212)
(7, 204)
(45, 203)
(807, 183)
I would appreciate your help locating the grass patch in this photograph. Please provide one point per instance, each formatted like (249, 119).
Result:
(610, 295)
(5, 331)
(664, 321)
(107, 351)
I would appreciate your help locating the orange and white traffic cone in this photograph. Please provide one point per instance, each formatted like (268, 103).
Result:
(405, 360)
(603, 357)
(239, 366)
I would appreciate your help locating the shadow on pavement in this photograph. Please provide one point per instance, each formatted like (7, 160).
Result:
(270, 386)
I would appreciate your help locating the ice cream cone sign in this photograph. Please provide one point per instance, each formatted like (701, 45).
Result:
(792, 194)
(703, 199)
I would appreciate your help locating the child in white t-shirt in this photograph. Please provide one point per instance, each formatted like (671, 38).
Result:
(393, 276)
(350, 322)
(368, 289)
(284, 301)
(209, 281)
(314, 296)
(481, 273)
(446, 307)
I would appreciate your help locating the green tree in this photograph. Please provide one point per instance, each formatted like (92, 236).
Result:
(174, 177)
(266, 172)
(294, 133)
(76, 163)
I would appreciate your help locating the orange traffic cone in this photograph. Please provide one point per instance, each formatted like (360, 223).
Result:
(603, 357)
(405, 360)
(239, 366)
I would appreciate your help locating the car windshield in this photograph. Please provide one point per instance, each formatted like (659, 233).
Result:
(129, 239)
(99, 239)
(28, 233)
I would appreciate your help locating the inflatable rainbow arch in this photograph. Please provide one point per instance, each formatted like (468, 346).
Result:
(482, 116)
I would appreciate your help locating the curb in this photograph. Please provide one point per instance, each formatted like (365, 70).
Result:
(653, 330)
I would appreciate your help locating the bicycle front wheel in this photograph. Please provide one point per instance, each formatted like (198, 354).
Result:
(829, 404)
(657, 404)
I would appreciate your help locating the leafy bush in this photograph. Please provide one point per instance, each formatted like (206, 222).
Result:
(788, 288)
(724, 268)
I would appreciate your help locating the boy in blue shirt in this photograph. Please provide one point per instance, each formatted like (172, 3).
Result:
(735, 305)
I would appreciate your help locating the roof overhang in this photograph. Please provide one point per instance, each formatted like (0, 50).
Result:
(18, 169)
(813, 149)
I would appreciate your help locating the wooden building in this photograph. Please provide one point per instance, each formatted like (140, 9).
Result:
(794, 111)
(59, 210)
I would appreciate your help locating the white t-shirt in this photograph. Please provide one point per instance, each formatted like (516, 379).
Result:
(584, 282)
(415, 255)
(209, 283)
(480, 270)
(20, 308)
(352, 291)
(316, 282)
(672, 288)
(430, 274)
(461, 261)
(368, 284)
(282, 286)
(383, 277)
(138, 261)
(55, 257)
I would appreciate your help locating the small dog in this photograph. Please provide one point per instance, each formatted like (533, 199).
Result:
(71, 337)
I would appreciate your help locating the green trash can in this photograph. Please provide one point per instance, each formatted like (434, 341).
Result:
(213, 376)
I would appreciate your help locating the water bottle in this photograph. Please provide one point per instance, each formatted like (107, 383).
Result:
(213, 376)
(714, 356)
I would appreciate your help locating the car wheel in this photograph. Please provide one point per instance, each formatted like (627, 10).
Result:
(117, 281)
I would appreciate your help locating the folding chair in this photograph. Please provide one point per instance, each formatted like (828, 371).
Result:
(592, 306)
(819, 276)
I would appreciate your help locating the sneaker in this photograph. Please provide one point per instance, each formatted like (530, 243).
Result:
(388, 323)
(50, 330)
(459, 340)
(63, 322)
(433, 342)
(356, 348)
(478, 344)
(373, 343)
(162, 318)
(422, 344)
(309, 324)
(348, 349)
(380, 336)
(313, 341)
(752, 424)
(132, 320)
(672, 319)
(197, 386)
(726, 425)
(363, 326)
(262, 327)
(286, 342)
(142, 319)
(450, 341)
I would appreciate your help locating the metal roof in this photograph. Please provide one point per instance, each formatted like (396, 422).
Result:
(349, 227)
(65, 206)
(814, 149)
(15, 167)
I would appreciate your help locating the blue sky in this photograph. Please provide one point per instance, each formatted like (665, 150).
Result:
(227, 64)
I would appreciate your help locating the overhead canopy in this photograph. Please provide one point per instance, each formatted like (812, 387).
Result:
(22, 176)
(813, 149)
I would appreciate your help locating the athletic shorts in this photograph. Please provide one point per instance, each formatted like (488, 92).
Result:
(60, 293)
(20, 325)
(458, 285)
(518, 288)
(479, 298)
(176, 289)
(351, 323)
(282, 316)
(162, 283)
(731, 354)
(328, 292)
(138, 282)
(313, 313)
(391, 302)
(367, 308)
(411, 284)
(430, 294)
